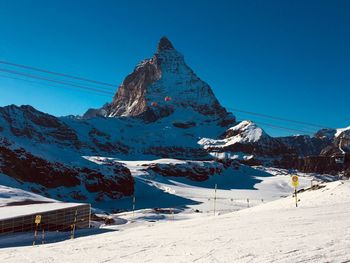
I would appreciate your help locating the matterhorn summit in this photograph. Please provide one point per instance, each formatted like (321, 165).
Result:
(161, 86)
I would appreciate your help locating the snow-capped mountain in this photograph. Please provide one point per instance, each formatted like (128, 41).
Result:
(161, 110)
(247, 138)
(162, 85)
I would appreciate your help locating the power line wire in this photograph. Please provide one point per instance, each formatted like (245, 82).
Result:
(278, 118)
(50, 85)
(284, 128)
(55, 81)
(57, 73)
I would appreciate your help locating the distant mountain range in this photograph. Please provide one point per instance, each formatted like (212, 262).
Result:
(161, 110)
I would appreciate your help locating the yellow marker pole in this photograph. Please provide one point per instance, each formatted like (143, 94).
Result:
(37, 222)
(295, 183)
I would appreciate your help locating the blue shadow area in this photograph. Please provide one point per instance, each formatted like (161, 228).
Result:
(244, 178)
(26, 239)
(148, 196)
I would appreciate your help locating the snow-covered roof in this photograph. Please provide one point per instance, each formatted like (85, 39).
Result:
(8, 212)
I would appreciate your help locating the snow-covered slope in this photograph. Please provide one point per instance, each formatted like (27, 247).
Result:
(10, 196)
(189, 185)
(316, 231)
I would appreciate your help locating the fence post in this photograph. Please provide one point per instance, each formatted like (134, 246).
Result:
(73, 225)
(43, 237)
(35, 234)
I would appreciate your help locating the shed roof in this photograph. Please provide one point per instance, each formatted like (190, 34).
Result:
(8, 212)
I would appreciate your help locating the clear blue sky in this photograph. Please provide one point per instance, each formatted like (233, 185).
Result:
(283, 58)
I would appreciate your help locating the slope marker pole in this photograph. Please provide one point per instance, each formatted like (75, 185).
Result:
(37, 221)
(215, 199)
(133, 207)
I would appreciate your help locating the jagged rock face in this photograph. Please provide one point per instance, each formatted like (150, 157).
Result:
(130, 99)
(196, 171)
(305, 145)
(328, 153)
(342, 139)
(326, 133)
(340, 143)
(316, 164)
(142, 94)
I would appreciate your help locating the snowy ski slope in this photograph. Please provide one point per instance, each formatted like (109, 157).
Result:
(317, 231)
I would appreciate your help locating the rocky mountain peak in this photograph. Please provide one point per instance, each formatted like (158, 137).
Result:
(164, 44)
(161, 86)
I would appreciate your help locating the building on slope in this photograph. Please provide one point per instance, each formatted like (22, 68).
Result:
(55, 216)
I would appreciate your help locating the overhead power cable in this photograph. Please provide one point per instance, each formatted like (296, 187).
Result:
(57, 73)
(278, 118)
(54, 86)
(55, 81)
(285, 128)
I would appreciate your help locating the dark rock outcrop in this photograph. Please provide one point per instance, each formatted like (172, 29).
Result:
(316, 164)
(27, 168)
(178, 153)
(184, 125)
(191, 170)
(304, 145)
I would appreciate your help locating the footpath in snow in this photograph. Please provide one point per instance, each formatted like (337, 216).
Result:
(317, 231)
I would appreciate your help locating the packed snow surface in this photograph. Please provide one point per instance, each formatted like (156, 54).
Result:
(234, 187)
(317, 231)
(10, 195)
